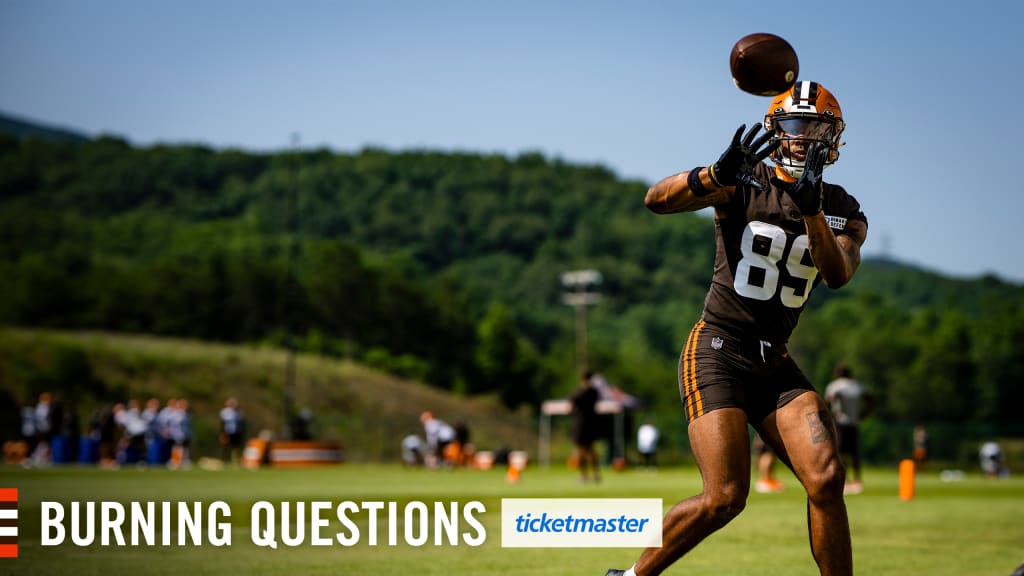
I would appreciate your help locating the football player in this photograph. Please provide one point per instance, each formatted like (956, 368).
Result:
(779, 232)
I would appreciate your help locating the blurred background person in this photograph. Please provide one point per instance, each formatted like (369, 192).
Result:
(438, 435)
(180, 427)
(43, 431)
(154, 438)
(133, 443)
(232, 431)
(992, 460)
(302, 425)
(850, 401)
(920, 446)
(460, 449)
(66, 430)
(102, 438)
(28, 432)
(647, 444)
(585, 427)
(413, 451)
(766, 483)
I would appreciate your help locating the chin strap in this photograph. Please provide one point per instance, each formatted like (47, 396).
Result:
(785, 173)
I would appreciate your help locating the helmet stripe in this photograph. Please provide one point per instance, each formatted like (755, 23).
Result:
(808, 91)
(804, 95)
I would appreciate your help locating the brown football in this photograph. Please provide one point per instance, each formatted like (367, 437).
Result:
(763, 64)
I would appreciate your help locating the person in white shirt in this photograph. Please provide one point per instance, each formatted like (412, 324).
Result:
(992, 464)
(43, 431)
(231, 430)
(850, 401)
(412, 450)
(135, 426)
(647, 444)
(438, 434)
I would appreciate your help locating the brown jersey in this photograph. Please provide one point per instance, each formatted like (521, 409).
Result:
(763, 270)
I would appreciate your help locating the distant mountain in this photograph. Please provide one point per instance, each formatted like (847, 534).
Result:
(22, 129)
(914, 287)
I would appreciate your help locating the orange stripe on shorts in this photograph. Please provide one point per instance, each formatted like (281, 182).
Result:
(690, 369)
(693, 371)
(687, 400)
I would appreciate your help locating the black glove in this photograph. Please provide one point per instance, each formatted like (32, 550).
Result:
(807, 192)
(737, 162)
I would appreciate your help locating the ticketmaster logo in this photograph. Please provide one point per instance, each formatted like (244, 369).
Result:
(580, 522)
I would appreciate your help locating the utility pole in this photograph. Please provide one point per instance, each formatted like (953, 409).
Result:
(581, 284)
(291, 252)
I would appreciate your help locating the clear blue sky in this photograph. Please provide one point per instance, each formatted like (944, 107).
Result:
(931, 95)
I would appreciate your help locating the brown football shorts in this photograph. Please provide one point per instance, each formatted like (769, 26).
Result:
(722, 370)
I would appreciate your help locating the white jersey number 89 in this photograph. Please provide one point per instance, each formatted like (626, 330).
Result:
(769, 263)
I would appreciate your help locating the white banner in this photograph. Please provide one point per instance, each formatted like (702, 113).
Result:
(581, 522)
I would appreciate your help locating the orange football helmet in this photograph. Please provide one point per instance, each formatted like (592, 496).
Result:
(805, 113)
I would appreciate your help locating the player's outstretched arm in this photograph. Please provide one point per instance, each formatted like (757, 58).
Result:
(675, 193)
(708, 186)
(835, 257)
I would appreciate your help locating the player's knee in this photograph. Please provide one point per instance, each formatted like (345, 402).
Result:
(725, 503)
(827, 483)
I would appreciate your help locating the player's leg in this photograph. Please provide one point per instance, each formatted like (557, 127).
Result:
(582, 460)
(591, 453)
(766, 480)
(803, 436)
(849, 452)
(855, 454)
(721, 448)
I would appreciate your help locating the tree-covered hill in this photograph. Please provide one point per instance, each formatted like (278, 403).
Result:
(24, 129)
(445, 267)
(368, 411)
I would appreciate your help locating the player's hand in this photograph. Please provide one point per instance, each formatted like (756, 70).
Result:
(737, 162)
(807, 192)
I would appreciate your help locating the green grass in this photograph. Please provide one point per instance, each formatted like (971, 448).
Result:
(965, 528)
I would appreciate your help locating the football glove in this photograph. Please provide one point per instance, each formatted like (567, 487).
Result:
(807, 192)
(737, 162)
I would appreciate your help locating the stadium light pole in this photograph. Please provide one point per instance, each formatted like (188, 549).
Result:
(581, 294)
(292, 225)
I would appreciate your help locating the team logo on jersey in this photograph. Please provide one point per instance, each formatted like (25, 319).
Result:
(716, 343)
(836, 222)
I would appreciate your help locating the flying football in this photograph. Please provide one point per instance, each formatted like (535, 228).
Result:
(763, 64)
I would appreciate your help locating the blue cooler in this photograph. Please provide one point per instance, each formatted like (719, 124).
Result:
(60, 451)
(155, 452)
(88, 450)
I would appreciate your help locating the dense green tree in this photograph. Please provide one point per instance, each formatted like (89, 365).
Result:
(446, 266)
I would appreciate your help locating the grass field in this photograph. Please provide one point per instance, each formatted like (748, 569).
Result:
(971, 527)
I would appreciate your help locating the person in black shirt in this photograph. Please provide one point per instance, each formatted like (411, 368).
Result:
(585, 429)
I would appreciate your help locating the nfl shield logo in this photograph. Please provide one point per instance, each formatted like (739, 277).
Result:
(716, 343)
